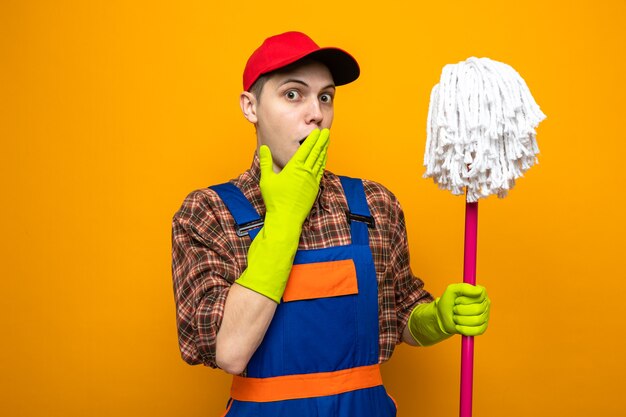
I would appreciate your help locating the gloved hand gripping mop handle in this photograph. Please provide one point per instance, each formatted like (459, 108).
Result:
(469, 277)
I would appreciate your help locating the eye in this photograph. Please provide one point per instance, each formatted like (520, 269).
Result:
(326, 98)
(292, 95)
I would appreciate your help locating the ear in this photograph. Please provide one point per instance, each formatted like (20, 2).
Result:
(248, 104)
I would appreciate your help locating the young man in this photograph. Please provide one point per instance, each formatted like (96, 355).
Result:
(293, 279)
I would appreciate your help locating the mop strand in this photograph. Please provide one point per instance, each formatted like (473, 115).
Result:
(481, 129)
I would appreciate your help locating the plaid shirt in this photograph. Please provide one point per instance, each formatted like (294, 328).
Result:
(208, 256)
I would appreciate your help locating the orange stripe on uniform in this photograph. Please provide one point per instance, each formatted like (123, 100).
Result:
(305, 385)
(320, 280)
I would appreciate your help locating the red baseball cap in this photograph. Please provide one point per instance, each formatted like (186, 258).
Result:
(281, 50)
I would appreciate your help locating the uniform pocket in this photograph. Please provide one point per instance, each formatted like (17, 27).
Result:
(394, 405)
(228, 406)
(320, 326)
(321, 280)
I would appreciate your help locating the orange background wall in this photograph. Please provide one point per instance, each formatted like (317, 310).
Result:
(112, 111)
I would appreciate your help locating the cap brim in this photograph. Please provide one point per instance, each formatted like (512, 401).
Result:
(341, 64)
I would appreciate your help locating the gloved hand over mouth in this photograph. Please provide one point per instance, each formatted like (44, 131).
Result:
(288, 197)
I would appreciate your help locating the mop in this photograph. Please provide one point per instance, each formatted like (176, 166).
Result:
(480, 138)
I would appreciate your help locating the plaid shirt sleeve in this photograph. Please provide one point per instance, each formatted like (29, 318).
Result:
(399, 290)
(409, 289)
(203, 269)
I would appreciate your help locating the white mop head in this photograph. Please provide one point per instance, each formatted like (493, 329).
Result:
(481, 129)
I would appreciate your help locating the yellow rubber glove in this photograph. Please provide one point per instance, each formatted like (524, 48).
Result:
(462, 309)
(288, 196)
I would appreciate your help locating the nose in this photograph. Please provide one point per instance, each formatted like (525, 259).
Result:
(314, 113)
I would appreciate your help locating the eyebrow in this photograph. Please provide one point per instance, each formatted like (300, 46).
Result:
(297, 81)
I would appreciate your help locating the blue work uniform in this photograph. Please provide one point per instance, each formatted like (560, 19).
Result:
(319, 356)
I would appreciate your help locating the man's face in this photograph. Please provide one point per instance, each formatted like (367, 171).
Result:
(292, 104)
